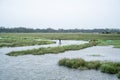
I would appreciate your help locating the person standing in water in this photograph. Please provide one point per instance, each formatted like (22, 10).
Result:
(59, 41)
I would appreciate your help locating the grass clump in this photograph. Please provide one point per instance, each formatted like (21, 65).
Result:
(78, 63)
(53, 50)
(72, 63)
(93, 64)
(63, 61)
(110, 67)
(118, 74)
(107, 68)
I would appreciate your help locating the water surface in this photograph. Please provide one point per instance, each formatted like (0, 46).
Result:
(45, 67)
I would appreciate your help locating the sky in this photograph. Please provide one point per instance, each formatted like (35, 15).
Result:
(57, 14)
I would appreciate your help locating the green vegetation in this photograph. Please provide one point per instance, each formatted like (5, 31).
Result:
(12, 41)
(78, 63)
(65, 36)
(74, 63)
(23, 39)
(109, 68)
(26, 39)
(93, 64)
(118, 74)
(115, 43)
(53, 50)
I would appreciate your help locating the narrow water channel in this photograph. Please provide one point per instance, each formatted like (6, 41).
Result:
(45, 67)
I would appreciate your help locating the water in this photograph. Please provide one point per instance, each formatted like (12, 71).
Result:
(45, 67)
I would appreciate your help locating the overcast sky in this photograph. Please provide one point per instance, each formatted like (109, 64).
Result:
(67, 14)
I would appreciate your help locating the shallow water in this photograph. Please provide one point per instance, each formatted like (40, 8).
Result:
(45, 67)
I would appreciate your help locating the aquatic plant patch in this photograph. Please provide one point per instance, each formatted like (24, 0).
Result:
(53, 50)
(79, 63)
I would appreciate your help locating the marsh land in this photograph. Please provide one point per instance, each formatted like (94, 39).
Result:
(78, 57)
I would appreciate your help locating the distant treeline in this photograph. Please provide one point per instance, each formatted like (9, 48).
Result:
(50, 30)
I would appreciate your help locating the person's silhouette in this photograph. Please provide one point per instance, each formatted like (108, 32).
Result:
(60, 41)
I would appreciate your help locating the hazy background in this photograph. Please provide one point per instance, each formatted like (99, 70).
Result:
(67, 14)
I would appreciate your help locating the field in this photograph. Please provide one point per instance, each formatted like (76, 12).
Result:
(64, 36)
(16, 40)
(24, 39)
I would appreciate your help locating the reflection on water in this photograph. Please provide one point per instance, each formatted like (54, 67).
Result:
(45, 67)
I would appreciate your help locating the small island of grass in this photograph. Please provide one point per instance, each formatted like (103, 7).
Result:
(53, 50)
(78, 63)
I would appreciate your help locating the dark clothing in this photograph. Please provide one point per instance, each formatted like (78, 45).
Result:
(59, 41)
